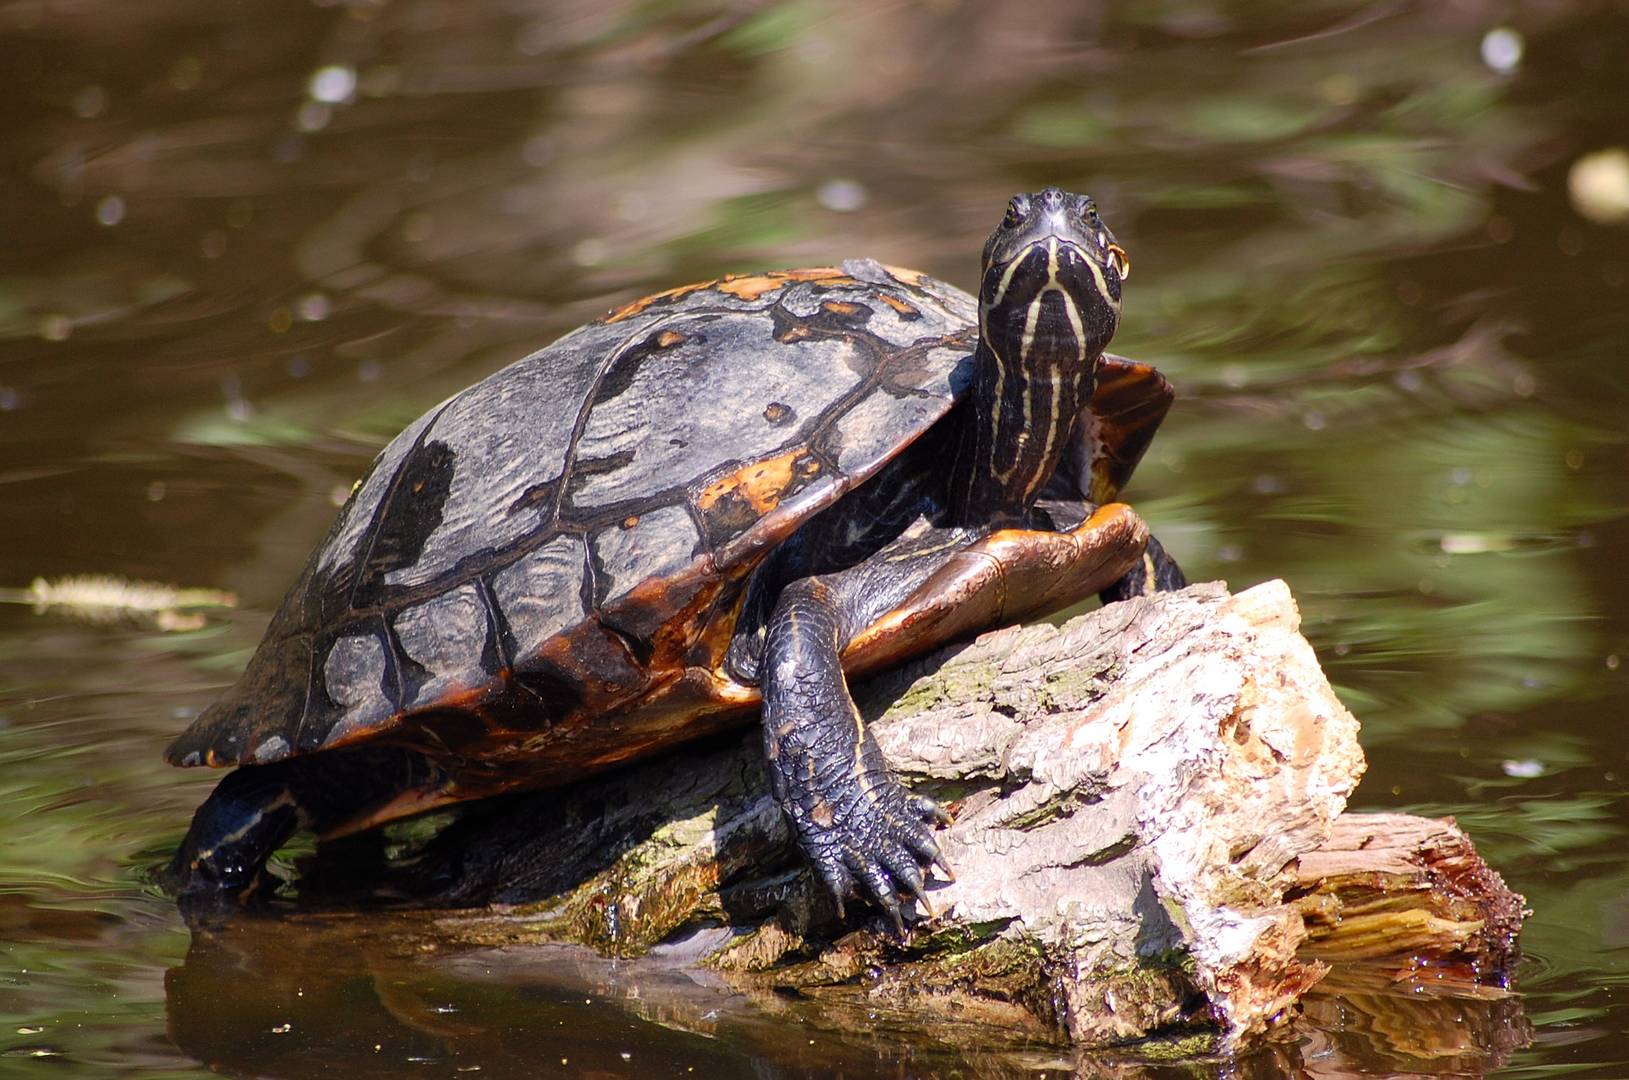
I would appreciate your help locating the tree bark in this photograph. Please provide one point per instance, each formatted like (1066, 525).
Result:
(1147, 839)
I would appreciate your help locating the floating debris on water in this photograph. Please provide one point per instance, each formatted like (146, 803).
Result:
(105, 598)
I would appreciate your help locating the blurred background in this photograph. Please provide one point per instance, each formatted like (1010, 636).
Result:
(1382, 250)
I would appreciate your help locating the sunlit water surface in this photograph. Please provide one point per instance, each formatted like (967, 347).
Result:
(242, 245)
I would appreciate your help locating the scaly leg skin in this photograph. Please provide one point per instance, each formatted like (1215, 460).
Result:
(249, 815)
(853, 819)
(220, 865)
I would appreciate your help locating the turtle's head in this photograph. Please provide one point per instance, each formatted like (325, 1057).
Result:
(1050, 294)
(1049, 301)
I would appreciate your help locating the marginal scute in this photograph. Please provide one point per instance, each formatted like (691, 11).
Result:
(761, 484)
(941, 372)
(444, 635)
(662, 542)
(354, 669)
(540, 594)
(867, 431)
(354, 678)
(736, 501)
(271, 749)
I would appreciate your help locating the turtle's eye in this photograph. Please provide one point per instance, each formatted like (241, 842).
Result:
(1016, 209)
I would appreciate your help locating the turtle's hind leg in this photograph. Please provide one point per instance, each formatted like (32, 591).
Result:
(249, 815)
(255, 809)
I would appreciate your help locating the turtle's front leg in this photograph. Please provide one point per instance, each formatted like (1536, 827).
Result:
(853, 819)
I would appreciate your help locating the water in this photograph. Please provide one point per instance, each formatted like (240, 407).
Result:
(241, 247)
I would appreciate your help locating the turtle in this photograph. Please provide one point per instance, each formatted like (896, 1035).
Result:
(714, 503)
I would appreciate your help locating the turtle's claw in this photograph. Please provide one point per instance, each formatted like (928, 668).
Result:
(876, 846)
(930, 811)
(911, 879)
(829, 865)
(882, 890)
(927, 851)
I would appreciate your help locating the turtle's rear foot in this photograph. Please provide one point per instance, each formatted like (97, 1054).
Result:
(221, 861)
(255, 808)
(879, 841)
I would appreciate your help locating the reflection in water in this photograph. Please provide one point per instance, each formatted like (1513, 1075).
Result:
(381, 997)
(1409, 1028)
(246, 250)
(309, 999)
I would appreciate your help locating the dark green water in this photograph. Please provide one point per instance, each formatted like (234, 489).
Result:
(1366, 249)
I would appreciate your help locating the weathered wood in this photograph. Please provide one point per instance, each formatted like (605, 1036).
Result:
(1144, 803)
(1386, 888)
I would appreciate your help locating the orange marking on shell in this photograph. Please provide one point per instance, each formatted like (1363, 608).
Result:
(628, 311)
(840, 307)
(753, 286)
(760, 484)
(684, 600)
(669, 338)
(899, 305)
(460, 696)
(749, 287)
(908, 276)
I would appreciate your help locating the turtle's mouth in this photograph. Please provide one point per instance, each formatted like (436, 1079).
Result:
(1100, 248)
(1062, 248)
(1065, 256)
(1058, 229)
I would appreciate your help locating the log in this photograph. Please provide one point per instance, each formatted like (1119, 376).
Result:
(1148, 838)
(1384, 886)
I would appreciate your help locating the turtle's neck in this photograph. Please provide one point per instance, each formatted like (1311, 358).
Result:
(1034, 371)
(1019, 423)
